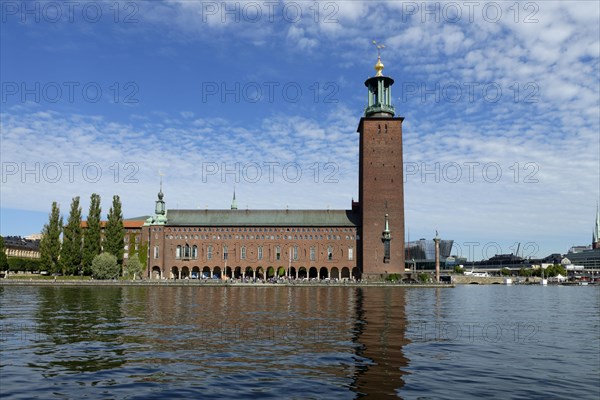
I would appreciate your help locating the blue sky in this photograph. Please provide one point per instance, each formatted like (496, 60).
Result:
(501, 100)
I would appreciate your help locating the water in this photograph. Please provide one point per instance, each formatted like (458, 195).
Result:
(315, 342)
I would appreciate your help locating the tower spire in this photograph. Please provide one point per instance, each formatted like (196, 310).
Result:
(596, 233)
(380, 90)
(234, 202)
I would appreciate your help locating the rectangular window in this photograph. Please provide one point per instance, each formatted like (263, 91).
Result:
(295, 253)
(350, 253)
(155, 252)
(277, 253)
(313, 256)
(209, 252)
(243, 253)
(260, 252)
(178, 252)
(386, 251)
(330, 253)
(225, 254)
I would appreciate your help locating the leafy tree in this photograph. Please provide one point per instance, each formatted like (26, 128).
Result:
(133, 248)
(505, 271)
(71, 251)
(458, 269)
(114, 232)
(105, 266)
(92, 239)
(133, 268)
(143, 254)
(525, 272)
(50, 243)
(423, 277)
(3, 258)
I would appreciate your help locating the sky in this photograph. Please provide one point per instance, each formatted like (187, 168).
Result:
(501, 102)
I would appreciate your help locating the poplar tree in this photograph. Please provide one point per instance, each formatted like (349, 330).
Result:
(50, 243)
(92, 239)
(71, 251)
(115, 232)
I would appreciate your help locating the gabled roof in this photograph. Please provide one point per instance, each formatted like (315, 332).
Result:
(316, 218)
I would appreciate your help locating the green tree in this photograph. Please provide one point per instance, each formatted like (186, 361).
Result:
(71, 251)
(458, 269)
(115, 232)
(505, 271)
(133, 268)
(143, 254)
(3, 258)
(92, 239)
(525, 272)
(105, 266)
(132, 248)
(50, 243)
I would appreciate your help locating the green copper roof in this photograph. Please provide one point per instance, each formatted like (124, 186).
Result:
(263, 218)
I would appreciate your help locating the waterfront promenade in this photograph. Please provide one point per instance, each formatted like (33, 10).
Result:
(213, 283)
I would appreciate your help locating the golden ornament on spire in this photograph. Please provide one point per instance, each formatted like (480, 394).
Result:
(379, 65)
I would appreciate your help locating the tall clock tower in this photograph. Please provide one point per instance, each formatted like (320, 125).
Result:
(381, 187)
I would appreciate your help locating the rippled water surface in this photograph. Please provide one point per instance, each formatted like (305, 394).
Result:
(300, 342)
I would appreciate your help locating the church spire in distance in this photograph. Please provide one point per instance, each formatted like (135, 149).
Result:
(596, 233)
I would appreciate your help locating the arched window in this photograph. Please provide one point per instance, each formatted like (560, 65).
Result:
(330, 253)
(186, 251)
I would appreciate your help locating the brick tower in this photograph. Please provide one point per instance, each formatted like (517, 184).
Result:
(381, 187)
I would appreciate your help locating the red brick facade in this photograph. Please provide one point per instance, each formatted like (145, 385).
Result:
(252, 252)
(381, 192)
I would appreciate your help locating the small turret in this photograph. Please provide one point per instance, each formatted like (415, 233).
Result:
(234, 202)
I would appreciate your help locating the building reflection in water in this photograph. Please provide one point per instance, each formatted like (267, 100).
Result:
(379, 334)
(318, 342)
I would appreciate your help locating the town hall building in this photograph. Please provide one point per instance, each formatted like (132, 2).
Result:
(363, 242)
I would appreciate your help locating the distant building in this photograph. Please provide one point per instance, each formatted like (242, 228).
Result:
(16, 246)
(420, 254)
(133, 232)
(587, 256)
